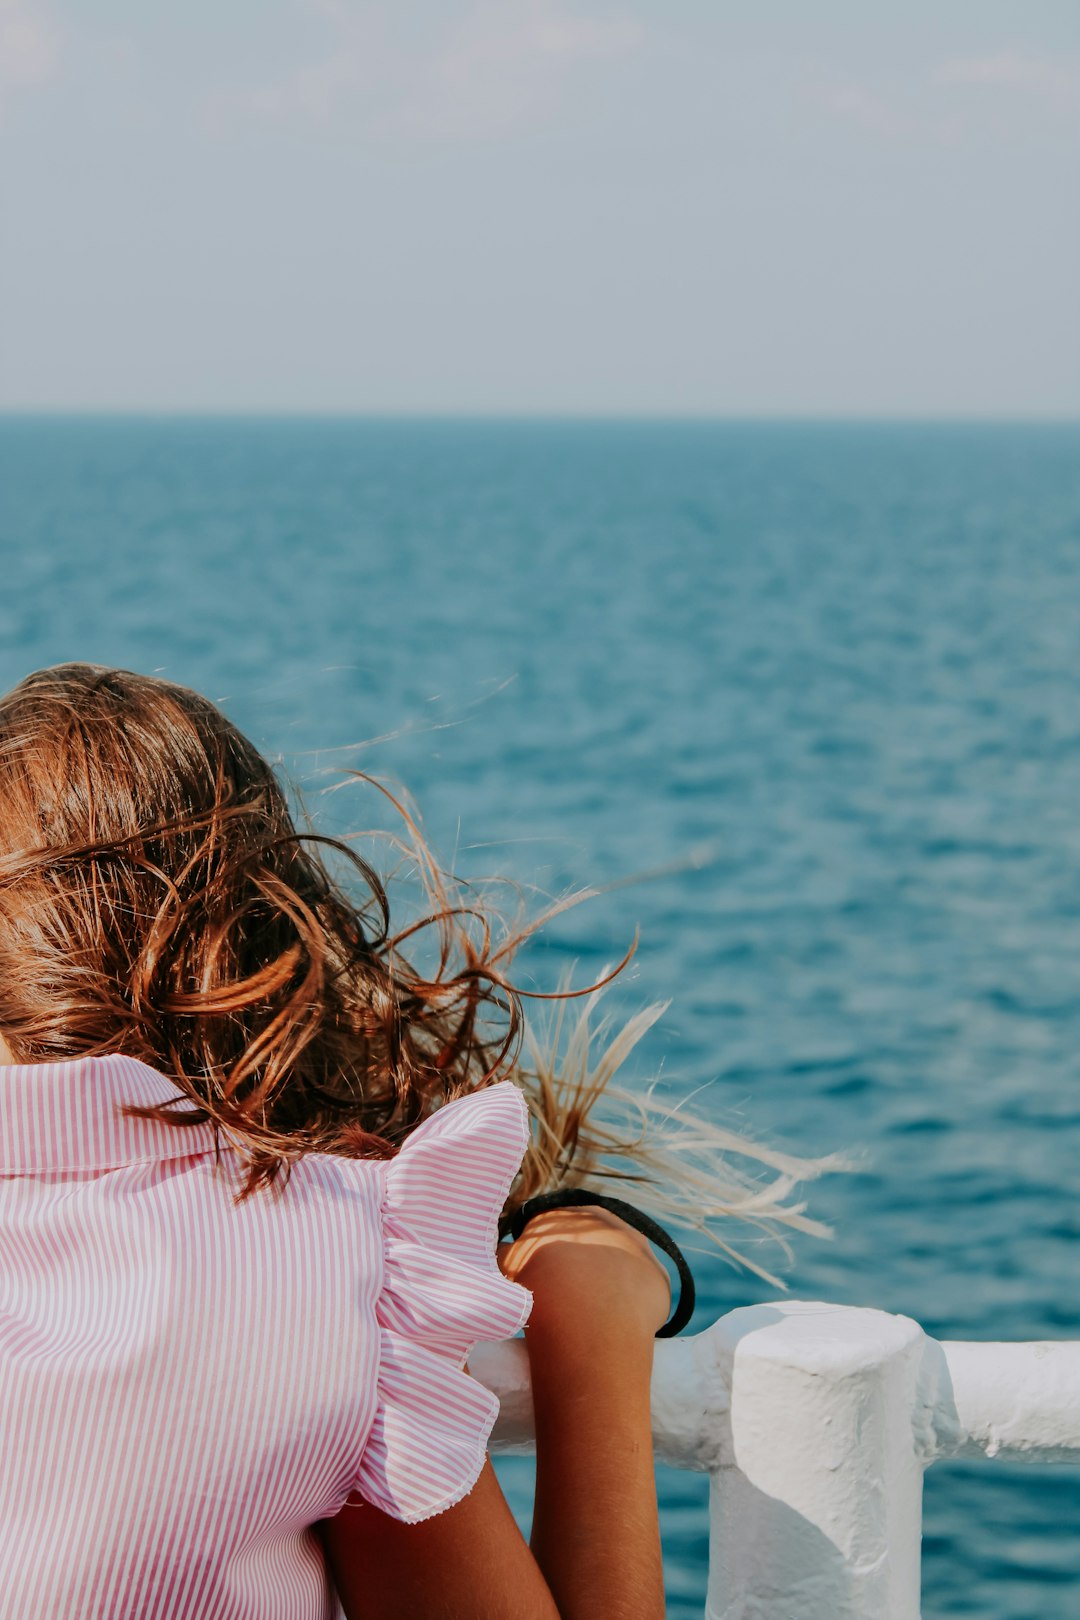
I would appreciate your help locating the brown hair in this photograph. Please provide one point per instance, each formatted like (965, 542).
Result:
(158, 899)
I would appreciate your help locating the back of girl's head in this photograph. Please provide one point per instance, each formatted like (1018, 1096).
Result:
(157, 900)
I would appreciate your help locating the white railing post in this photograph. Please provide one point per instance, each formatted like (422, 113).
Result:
(816, 1507)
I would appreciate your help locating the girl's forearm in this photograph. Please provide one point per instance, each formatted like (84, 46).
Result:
(595, 1525)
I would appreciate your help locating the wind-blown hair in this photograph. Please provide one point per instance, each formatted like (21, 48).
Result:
(157, 899)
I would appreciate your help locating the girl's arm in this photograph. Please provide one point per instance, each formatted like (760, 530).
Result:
(469, 1563)
(599, 1297)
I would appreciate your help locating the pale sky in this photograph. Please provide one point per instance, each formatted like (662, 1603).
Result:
(748, 207)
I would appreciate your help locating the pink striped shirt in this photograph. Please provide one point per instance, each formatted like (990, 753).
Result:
(187, 1385)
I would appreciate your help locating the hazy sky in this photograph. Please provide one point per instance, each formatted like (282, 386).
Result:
(731, 206)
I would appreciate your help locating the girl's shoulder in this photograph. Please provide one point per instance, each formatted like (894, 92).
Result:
(442, 1292)
(462, 1158)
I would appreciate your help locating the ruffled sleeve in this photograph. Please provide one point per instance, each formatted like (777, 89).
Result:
(442, 1293)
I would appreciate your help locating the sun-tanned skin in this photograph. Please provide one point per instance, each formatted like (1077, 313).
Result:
(599, 1296)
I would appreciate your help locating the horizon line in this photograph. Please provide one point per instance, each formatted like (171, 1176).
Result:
(524, 416)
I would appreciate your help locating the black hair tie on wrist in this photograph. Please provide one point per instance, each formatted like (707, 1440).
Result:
(567, 1197)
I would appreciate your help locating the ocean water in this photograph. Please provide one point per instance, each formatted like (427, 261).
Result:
(822, 682)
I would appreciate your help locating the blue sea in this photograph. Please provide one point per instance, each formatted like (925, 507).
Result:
(803, 700)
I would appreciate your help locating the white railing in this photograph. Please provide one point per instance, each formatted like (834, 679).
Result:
(815, 1423)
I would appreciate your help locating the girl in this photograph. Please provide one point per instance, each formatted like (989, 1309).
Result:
(252, 1167)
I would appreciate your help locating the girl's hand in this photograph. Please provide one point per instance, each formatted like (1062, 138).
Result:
(587, 1265)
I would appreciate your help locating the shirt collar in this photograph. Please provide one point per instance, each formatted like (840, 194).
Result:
(66, 1116)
